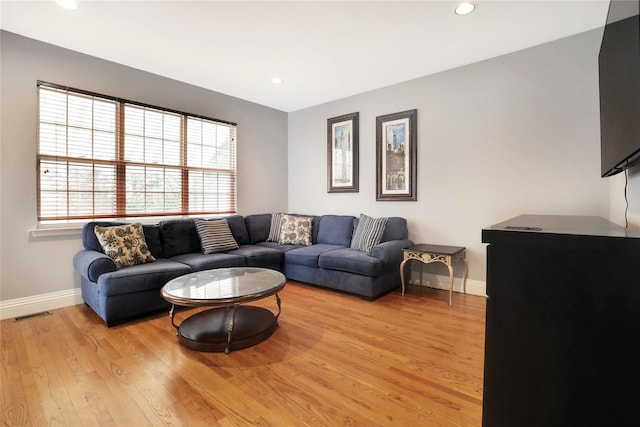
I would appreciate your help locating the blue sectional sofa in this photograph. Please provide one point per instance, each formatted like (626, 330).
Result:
(120, 294)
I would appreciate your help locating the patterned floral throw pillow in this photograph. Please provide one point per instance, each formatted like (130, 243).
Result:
(124, 244)
(296, 230)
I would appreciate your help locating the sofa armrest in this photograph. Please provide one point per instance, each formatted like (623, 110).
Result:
(390, 253)
(91, 264)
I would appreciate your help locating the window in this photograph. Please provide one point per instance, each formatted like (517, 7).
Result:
(101, 157)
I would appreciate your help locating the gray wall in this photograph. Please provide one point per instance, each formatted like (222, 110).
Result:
(31, 266)
(511, 135)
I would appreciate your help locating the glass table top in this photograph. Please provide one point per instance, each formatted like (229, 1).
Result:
(223, 286)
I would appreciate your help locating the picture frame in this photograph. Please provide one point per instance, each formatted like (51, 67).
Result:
(343, 136)
(396, 156)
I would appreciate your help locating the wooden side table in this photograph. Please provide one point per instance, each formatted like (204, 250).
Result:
(436, 253)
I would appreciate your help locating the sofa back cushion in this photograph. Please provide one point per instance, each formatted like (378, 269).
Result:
(335, 229)
(179, 236)
(258, 227)
(151, 235)
(238, 229)
(396, 229)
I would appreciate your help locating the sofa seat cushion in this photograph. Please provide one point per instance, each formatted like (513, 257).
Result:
(200, 261)
(308, 255)
(142, 277)
(258, 256)
(351, 261)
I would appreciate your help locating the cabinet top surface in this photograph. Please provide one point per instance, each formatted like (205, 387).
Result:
(558, 225)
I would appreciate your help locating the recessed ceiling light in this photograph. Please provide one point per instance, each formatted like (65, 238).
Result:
(276, 80)
(68, 4)
(465, 8)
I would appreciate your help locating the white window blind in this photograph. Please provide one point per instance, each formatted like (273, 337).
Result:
(101, 157)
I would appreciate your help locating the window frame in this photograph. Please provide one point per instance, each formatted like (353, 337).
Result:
(120, 164)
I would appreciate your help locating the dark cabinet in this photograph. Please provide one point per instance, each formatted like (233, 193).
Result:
(563, 323)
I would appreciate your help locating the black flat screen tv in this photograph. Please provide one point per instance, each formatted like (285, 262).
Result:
(619, 71)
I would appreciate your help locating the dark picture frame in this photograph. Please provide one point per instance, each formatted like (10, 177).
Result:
(396, 156)
(343, 136)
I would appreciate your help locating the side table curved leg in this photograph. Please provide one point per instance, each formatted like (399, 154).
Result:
(402, 273)
(464, 277)
(450, 283)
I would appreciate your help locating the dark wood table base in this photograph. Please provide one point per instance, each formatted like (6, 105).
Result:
(209, 330)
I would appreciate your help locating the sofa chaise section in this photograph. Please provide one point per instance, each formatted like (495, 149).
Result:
(117, 295)
(335, 265)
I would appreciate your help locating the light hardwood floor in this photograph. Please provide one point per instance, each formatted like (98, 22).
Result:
(335, 360)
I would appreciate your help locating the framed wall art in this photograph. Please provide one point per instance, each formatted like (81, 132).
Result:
(342, 154)
(396, 156)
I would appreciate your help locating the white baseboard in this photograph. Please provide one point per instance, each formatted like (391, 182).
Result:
(474, 287)
(38, 303)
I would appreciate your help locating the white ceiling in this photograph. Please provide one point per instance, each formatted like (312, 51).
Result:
(322, 50)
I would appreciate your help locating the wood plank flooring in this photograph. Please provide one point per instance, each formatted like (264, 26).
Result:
(335, 360)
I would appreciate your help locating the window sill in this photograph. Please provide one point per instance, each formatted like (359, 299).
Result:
(56, 231)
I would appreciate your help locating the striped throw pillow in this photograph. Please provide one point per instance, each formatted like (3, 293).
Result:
(368, 233)
(276, 227)
(215, 236)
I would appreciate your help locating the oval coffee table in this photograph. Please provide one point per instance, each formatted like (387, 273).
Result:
(230, 325)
